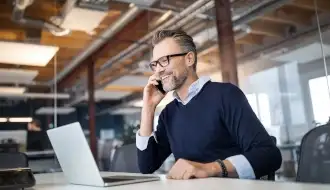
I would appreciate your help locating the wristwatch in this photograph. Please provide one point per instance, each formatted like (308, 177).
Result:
(224, 172)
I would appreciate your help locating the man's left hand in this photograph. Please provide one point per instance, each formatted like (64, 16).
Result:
(185, 169)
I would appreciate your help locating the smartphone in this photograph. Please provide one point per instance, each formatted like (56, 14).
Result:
(16, 178)
(160, 87)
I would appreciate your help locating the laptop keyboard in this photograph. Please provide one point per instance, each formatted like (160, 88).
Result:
(112, 179)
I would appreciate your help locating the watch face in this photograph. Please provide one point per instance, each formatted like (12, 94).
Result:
(20, 177)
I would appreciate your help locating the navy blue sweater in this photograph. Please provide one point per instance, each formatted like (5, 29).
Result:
(217, 123)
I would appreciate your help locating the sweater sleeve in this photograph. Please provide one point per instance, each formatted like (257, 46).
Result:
(157, 150)
(251, 136)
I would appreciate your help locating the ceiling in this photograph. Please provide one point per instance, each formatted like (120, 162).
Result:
(32, 55)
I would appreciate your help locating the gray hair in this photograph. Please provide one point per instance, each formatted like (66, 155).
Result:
(185, 41)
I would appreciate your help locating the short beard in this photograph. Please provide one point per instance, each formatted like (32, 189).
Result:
(177, 82)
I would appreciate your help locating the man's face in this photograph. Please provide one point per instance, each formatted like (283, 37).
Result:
(175, 73)
(33, 127)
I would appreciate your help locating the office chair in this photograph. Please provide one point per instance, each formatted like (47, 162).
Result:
(13, 160)
(9, 145)
(314, 158)
(125, 159)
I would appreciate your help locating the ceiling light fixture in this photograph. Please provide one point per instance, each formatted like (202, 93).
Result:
(29, 54)
(12, 90)
(51, 110)
(3, 120)
(20, 119)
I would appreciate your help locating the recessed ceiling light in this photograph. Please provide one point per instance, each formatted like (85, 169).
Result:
(51, 110)
(3, 120)
(20, 119)
(20, 76)
(26, 54)
(12, 90)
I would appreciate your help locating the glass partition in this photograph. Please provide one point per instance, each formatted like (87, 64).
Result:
(285, 81)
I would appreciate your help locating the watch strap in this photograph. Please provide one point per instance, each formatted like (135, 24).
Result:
(224, 172)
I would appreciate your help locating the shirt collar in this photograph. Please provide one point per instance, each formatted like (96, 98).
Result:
(194, 89)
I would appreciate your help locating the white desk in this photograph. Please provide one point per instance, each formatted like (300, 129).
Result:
(56, 181)
(40, 153)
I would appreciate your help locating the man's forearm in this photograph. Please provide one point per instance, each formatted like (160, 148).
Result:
(147, 120)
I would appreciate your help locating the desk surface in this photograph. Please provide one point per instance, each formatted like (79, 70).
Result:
(57, 181)
(42, 152)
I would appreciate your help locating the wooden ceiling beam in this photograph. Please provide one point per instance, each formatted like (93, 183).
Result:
(7, 24)
(120, 6)
(281, 16)
(5, 15)
(251, 39)
(12, 35)
(215, 49)
(75, 40)
(123, 88)
(272, 30)
(323, 5)
(27, 67)
(65, 54)
(45, 6)
(207, 51)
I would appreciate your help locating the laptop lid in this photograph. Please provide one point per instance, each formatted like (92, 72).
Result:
(74, 155)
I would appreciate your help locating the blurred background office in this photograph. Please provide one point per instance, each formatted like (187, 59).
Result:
(63, 61)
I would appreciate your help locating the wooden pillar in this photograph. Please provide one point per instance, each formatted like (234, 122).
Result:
(91, 108)
(226, 41)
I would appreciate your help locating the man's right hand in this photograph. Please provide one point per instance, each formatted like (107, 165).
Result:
(151, 95)
(151, 98)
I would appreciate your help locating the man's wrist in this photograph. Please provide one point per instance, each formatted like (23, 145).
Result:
(149, 106)
(224, 169)
(213, 169)
(147, 119)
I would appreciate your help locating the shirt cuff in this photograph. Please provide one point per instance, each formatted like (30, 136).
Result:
(142, 141)
(242, 166)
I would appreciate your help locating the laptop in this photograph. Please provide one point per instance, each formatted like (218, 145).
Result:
(78, 164)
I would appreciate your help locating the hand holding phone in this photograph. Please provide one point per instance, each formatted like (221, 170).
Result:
(153, 92)
(160, 87)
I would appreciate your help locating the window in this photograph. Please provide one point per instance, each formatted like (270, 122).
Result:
(260, 106)
(320, 99)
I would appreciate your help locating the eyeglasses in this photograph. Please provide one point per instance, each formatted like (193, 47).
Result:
(164, 61)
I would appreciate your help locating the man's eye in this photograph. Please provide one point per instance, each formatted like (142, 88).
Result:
(153, 64)
(163, 59)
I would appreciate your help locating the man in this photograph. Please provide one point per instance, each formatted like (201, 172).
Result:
(34, 125)
(209, 127)
(36, 136)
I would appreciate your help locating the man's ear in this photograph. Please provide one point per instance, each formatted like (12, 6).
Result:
(190, 59)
